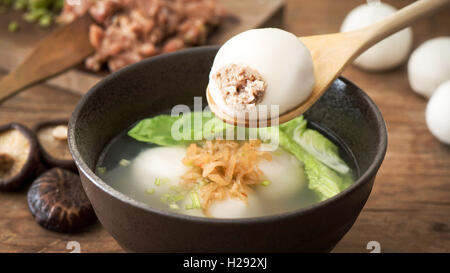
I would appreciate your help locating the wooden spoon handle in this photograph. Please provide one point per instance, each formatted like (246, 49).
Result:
(9, 86)
(400, 20)
(62, 49)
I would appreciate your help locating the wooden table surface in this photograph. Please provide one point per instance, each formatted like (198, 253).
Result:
(408, 210)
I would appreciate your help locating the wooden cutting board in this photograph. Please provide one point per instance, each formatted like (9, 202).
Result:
(15, 46)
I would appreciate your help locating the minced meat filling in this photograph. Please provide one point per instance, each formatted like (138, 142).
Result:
(242, 87)
(127, 31)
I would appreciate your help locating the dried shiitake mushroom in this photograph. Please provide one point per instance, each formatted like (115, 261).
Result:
(58, 202)
(52, 140)
(19, 156)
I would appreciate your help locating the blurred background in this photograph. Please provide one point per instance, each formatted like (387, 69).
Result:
(409, 208)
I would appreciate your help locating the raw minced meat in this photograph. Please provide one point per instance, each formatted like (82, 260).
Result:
(127, 31)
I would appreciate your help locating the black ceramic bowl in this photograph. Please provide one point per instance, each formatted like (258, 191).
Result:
(156, 85)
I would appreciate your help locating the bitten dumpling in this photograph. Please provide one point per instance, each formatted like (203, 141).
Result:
(261, 68)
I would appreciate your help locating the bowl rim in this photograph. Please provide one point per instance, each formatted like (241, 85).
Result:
(99, 183)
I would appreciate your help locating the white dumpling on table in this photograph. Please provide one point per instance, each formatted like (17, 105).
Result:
(429, 66)
(386, 54)
(438, 113)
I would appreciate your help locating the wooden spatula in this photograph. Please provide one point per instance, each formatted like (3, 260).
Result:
(64, 48)
(331, 53)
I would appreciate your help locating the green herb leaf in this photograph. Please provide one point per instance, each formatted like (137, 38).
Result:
(13, 26)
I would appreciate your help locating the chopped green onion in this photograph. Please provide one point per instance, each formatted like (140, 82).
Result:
(13, 26)
(46, 20)
(34, 15)
(178, 197)
(165, 198)
(195, 200)
(188, 164)
(172, 198)
(58, 5)
(200, 184)
(41, 11)
(157, 181)
(101, 170)
(150, 191)
(266, 183)
(174, 206)
(165, 180)
(176, 189)
(6, 2)
(38, 4)
(124, 162)
(20, 4)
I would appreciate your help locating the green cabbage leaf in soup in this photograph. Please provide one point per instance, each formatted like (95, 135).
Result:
(160, 130)
(326, 172)
(323, 180)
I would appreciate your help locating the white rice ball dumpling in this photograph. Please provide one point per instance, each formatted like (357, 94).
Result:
(429, 66)
(158, 169)
(285, 179)
(438, 113)
(259, 68)
(386, 54)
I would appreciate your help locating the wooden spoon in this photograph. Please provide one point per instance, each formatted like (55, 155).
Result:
(331, 53)
(64, 48)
